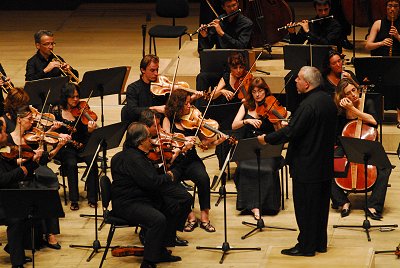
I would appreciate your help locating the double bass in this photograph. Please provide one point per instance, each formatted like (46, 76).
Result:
(355, 180)
(363, 13)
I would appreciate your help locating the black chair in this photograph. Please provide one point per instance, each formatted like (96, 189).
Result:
(109, 218)
(169, 9)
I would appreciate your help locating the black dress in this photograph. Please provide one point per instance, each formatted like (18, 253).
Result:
(246, 178)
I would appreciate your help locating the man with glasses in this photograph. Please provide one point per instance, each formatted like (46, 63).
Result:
(383, 36)
(43, 63)
(234, 32)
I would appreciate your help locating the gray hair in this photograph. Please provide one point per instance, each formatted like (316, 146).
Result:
(38, 35)
(136, 133)
(312, 75)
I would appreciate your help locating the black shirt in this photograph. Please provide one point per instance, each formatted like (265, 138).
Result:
(1, 94)
(37, 63)
(311, 136)
(384, 33)
(237, 34)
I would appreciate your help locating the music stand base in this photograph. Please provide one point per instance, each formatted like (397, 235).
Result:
(366, 226)
(225, 248)
(96, 246)
(259, 226)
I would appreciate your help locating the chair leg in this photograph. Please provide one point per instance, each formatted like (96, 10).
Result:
(287, 181)
(282, 189)
(180, 41)
(109, 239)
(194, 195)
(64, 185)
(149, 44)
(154, 45)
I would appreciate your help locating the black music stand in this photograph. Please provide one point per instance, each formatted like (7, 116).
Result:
(104, 138)
(248, 149)
(225, 248)
(103, 82)
(31, 204)
(37, 90)
(216, 60)
(368, 153)
(297, 56)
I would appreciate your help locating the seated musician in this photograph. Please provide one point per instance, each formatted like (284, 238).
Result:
(348, 102)
(252, 124)
(138, 94)
(383, 36)
(142, 196)
(322, 32)
(15, 99)
(44, 63)
(177, 107)
(70, 112)
(333, 72)
(234, 32)
(3, 85)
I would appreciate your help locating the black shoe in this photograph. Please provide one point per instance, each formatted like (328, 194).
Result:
(147, 264)
(322, 250)
(374, 215)
(17, 266)
(54, 246)
(294, 251)
(345, 212)
(27, 259)
(170, 258)
(180, 242)
(346, 44)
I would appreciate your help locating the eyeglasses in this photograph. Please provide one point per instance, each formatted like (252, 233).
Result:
(394, 6)
(49, 44)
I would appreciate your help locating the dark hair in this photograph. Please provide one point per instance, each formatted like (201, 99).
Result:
(259, 82)
(387, 1)
(23, 111)
(236, 59)
(224, 1)
(16, 98)
(38, 35)
(67, 91)
(339, 94)
(327, 65)
(147, 60)
(136, 133)
(322, 2)
(147, 117)
(175, 104)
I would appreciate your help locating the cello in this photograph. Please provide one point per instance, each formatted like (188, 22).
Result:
(355, 180)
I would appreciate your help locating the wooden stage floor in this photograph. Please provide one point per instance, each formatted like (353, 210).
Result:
(97, 36)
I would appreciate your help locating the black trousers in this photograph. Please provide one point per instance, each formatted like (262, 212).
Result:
(311, 207)
(70, 162)
(15, 235)
(377, 197)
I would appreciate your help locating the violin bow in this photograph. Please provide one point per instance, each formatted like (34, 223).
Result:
(212, 8)
(44, 105)
(82, 110)
(174, 77)
(160, 145)
(248, 72)
(204, 114)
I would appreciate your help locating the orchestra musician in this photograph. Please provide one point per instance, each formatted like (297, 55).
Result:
(383, 37)
(193, 167)
(138, 94)
(311, 137)
(252, 124)
(141, 195)
(234, 32)
(348, 102)
(69, 112)
(323, 32)
(44, 63)
(2, 83)
(15, 99)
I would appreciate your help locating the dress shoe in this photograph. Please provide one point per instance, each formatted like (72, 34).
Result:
(53, 246)
(147, 264)
(322, 250)
(294, 251)
(180, 242)
(346, 44)
(170, 258)
(345, 212)
(17, 266)
(374, 215)
(27, 259)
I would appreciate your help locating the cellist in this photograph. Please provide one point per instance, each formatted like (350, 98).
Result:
(348, 102)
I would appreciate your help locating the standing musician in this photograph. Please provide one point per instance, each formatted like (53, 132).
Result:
(234, 32)
(70, 110)
(193, 167)
(141, 195)
(252, 124)
(323, 32)
(311, 137)
(138, 94)
(44, 63)
(348, 102)
(383, 37)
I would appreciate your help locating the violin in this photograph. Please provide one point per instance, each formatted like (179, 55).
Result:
(83, 111)
(36, 135)
(163, 87)
(23, 151)
(47, 119)
(127, 251)
(242, 86)
(271, 108)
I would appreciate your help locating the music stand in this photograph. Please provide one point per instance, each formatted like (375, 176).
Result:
(37, 90)
(297, 56)
(216, 60)
(246, 149)
(104, 138)
(225, 245)
(31, 204)
(368, 153)
(103, 82)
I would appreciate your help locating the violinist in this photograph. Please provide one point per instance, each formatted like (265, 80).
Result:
(383, 37)
(2, 83)
(70, 105)
(250, 125)
(193, 167)
(323, 32)
(43, 63)
(140, 193)
(138, 94)
(15, 99)
(234, 32)
(348, 103)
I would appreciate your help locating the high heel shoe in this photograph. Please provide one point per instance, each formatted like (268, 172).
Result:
(374, 215)
(56, 246)
(345, 212)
